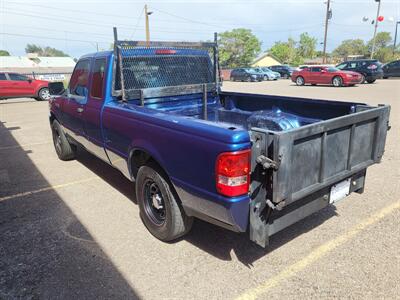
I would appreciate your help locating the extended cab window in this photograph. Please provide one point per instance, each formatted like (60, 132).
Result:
(17, 77)
(96, 90)
(79, 80)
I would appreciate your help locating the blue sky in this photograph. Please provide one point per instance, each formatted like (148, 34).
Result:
(77, 26)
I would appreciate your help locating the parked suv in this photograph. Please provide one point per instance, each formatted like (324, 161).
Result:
(391, 69)
(244, 74)
(13, 85)
(285, 71)
(370, 69)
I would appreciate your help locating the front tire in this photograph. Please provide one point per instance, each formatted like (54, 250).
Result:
(337, 81)
(64, 150)
(43, 94)
(160, 210)
(300, 81)
(371, 80)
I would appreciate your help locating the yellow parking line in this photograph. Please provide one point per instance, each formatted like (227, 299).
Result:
(318, 253)
(23, 146)
(49, 188)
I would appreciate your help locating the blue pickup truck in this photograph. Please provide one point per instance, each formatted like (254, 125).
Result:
(246, 162)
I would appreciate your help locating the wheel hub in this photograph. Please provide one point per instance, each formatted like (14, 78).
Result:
(157, 201)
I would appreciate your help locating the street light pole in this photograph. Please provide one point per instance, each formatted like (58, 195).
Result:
(376, 27)
(328, 4)
(395, 37)
(147, 13)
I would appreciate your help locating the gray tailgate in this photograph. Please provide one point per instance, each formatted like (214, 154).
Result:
(318, 155)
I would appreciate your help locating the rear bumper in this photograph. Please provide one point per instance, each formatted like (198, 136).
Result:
(374, 76)
(229, 213)
(261, 228)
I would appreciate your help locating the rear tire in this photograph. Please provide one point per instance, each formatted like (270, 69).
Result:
(43, 94)
(371, 80)
(300, 81)
(159, 206)
(362, 79)
(337, 81)
(64, 150)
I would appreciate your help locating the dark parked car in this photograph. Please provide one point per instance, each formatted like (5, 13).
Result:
(14, 85)
(391, 69)
(370, 69)
(244, 74)
(285, 71)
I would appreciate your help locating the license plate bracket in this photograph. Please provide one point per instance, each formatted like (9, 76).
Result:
(339, 191)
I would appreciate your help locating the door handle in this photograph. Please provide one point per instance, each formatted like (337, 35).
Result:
(79, 109)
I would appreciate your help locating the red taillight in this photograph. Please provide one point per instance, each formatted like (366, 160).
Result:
(232, 173)
(165, 51)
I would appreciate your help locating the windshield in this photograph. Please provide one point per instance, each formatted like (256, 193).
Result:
(332, 69)
(141, 72)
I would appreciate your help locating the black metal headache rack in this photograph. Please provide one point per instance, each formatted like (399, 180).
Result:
(158, 69)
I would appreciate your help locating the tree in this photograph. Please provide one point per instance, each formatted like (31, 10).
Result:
(350, 47)
(44, 51)
(382, 40)
(238, 47)
(287, 52)
(307, 46)
(4, 53)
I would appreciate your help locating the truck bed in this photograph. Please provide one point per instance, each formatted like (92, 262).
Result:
(310, 145)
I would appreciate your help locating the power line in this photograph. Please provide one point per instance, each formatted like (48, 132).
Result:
(137, 24)
(51, 38)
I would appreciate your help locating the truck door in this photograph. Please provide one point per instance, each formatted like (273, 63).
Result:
(92, 109)
(75, 101)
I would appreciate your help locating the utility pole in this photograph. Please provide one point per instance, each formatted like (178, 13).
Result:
(147, 13)
(328, 16)
(376, 28)
(395, 37)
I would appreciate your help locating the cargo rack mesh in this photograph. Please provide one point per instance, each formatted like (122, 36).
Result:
(158, 69)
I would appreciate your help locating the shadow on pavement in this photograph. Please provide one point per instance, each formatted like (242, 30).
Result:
(45, 252)
(212, 239)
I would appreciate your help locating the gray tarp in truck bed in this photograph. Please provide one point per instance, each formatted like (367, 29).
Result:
(314, 157)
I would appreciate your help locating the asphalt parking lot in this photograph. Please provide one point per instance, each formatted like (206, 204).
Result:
(72, 229)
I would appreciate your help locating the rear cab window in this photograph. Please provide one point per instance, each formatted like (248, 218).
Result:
(78, 85)
(98, 78)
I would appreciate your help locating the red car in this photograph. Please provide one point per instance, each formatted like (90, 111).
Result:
(13, 85)
(326, 75)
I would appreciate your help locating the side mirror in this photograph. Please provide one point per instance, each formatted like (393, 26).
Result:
(29, 80)
(56, 88)
(323, 71)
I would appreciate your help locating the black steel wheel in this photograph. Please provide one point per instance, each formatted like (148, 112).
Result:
(154, 204)
(160, 207)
